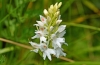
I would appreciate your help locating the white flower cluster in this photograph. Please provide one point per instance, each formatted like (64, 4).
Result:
(50, 33)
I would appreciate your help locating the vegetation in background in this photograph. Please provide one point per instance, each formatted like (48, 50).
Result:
(82, 31)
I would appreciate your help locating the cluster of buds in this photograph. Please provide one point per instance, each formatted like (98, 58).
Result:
(50, 33)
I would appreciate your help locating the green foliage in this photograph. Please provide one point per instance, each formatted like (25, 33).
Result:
(82, 33)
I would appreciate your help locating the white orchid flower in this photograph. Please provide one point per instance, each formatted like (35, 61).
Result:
(61, 34)
(46, 51)
(42, 22)
(41, 35)
(35, 45)
(59, 52)
(58, 42)
(43, 19)
(61, 28)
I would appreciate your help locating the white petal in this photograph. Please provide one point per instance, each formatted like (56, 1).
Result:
(43, 46)
(59, 52)
(35, 45)
(48, 54)
(64, 54)
(36, 36)
(52, 51)
(58, 43)
(54, 45)
(42, 38)
(36, 25)
(39, 33)
(62, 40)
(43, 19)
(61, 34)
(66, 44)
(40, 23)
(44, 56)
(35, 50)
(45, 32)
(61, 28)
(53, 36)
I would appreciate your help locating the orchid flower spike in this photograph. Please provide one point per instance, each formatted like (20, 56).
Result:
(50, 33)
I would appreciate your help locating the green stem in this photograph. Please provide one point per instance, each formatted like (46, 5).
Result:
(45, 62)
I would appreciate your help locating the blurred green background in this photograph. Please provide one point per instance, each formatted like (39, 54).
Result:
(82, 18)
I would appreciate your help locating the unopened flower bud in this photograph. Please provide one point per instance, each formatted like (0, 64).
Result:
(55, 6)
(51, 7)
(48, 18)
(58, 21)
(45, 12)
(59, 4)
(50, 10)
(56, 14)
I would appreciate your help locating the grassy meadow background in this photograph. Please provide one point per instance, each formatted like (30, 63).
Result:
(82, 18)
